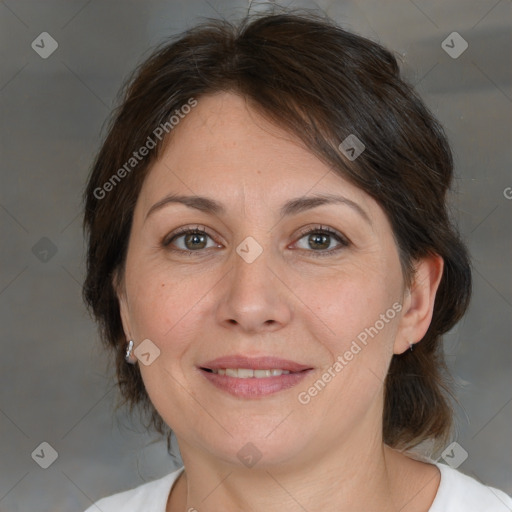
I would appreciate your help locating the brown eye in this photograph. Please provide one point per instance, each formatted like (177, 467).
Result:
(322, 241)
(189, 240)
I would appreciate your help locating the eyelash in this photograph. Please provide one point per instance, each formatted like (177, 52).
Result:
(344, 242)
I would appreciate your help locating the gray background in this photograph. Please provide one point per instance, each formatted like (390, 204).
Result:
(55, 385)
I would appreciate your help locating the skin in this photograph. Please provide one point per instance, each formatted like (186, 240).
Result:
(327, 454)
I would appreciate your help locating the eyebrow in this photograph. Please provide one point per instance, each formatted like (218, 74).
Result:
(291, 207)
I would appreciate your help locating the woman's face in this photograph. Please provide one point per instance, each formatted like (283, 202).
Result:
(253, 283)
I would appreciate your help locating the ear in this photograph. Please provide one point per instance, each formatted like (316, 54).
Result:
(120, 291)
(418, 302)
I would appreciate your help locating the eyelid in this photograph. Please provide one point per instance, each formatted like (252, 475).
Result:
(320, 227)
(184, 230)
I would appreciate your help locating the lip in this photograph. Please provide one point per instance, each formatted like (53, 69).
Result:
(254, 363)
(254, 387)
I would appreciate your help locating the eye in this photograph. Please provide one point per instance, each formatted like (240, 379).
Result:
(320, 240)
(189, 240)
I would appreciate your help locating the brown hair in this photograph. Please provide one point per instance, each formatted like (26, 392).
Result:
(322, 84)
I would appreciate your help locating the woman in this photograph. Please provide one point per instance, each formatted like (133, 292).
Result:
(271, 261)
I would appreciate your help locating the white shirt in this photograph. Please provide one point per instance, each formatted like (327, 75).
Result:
(457, 492)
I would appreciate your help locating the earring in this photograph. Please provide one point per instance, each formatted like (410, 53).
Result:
(411, 345)
(129, 356)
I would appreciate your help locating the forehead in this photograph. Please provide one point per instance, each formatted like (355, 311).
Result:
(226, 149)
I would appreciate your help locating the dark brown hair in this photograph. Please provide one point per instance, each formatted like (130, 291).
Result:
(322, 84)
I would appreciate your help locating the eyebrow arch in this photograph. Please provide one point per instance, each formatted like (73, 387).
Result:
(291, 207)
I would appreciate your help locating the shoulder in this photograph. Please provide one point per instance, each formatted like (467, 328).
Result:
(149, 497)
(461, 493)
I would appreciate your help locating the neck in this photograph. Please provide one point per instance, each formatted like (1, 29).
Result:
(355, 478)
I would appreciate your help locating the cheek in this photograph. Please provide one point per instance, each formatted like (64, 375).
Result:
(352, 299)
(360, 318)
(165, 303)
(362, 325)
(357, 314)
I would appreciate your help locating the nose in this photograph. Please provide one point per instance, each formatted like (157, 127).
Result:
(253, 296)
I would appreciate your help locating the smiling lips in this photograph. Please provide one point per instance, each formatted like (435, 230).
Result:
(247, 373)
(254, 363)
(247, 377)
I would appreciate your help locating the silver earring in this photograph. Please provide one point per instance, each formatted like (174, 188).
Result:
(411, 345)
(129, 356)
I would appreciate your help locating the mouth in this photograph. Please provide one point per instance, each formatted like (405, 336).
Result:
(248, 373)
(246, 363)
(245, 377)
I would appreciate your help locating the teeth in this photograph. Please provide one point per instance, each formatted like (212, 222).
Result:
(246, 373)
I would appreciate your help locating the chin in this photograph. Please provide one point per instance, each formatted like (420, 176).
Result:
(258, 450)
